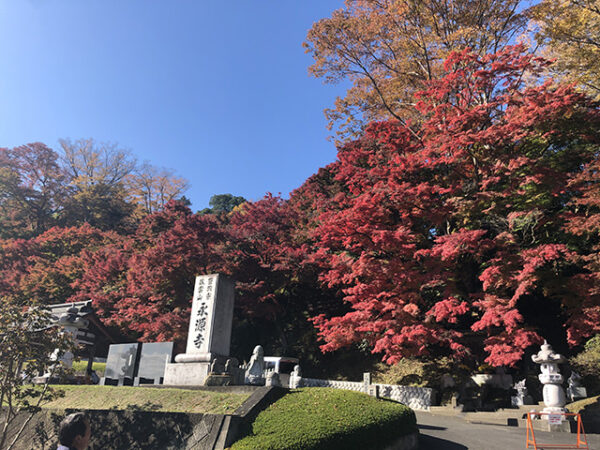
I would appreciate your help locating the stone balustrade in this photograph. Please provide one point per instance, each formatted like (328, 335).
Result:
(412, 396)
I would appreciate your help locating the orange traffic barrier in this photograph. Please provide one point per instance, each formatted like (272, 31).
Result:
(581, 443)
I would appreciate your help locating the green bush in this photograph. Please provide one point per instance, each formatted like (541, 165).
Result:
(587, 364)
(316, 418)
(414, 372)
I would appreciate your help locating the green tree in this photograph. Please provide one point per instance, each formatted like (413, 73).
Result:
(223, 203)
(27, 344)
(32, 190)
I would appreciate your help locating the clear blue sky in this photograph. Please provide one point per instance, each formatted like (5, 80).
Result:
(217, 91)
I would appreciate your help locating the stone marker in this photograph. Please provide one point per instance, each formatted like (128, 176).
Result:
(209, 335)
(366, 382)
(154, 356)
(121, 364)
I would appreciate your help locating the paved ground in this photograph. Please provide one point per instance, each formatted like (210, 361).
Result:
(452, 433)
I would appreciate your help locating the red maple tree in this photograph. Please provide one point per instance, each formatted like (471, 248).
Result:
(446, 237)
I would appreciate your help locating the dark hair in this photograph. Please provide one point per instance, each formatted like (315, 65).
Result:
(72, 426)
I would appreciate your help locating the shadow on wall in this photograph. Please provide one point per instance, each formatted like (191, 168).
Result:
(128, 429)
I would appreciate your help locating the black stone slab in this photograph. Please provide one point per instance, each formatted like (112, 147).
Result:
(153, 359)
(121, 362)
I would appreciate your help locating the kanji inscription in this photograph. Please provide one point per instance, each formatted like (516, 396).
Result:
(201, 311)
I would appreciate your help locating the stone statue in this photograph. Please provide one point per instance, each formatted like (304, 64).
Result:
(574, 388)
(272, 379)
(447, 382)
(296, 377)
(256, 367)
(574, 380)
(231, 365)
(522, 397)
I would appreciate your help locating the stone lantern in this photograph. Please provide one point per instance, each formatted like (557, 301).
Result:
(72, 322)
(554, 395)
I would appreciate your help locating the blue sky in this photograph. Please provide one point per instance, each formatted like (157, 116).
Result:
(217, 91)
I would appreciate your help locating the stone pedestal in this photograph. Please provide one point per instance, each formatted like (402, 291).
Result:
(186, 374)
(209, 334)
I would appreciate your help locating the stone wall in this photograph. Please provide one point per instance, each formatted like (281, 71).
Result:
(415, 397)
(125, 429)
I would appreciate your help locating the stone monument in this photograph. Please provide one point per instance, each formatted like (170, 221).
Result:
(121, 364)
(554, 394)
(209, 335)
(152, 361)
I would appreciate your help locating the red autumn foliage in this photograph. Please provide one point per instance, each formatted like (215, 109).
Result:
(449, 234)
(479, 232)
(47, 267)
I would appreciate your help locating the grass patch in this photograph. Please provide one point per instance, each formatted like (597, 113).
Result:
(146, 399)
(81, 366)
(316, 418)
(590, 404)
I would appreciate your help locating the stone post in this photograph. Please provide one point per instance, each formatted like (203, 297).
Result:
(366, 382)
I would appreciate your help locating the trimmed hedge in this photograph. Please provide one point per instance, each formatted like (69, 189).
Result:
(317, 418)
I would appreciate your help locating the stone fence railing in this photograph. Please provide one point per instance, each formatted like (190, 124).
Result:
(415, 397)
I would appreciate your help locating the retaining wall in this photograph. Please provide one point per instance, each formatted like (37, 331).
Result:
(150, 430)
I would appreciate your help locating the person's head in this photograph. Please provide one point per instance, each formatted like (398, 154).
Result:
(75, 431)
